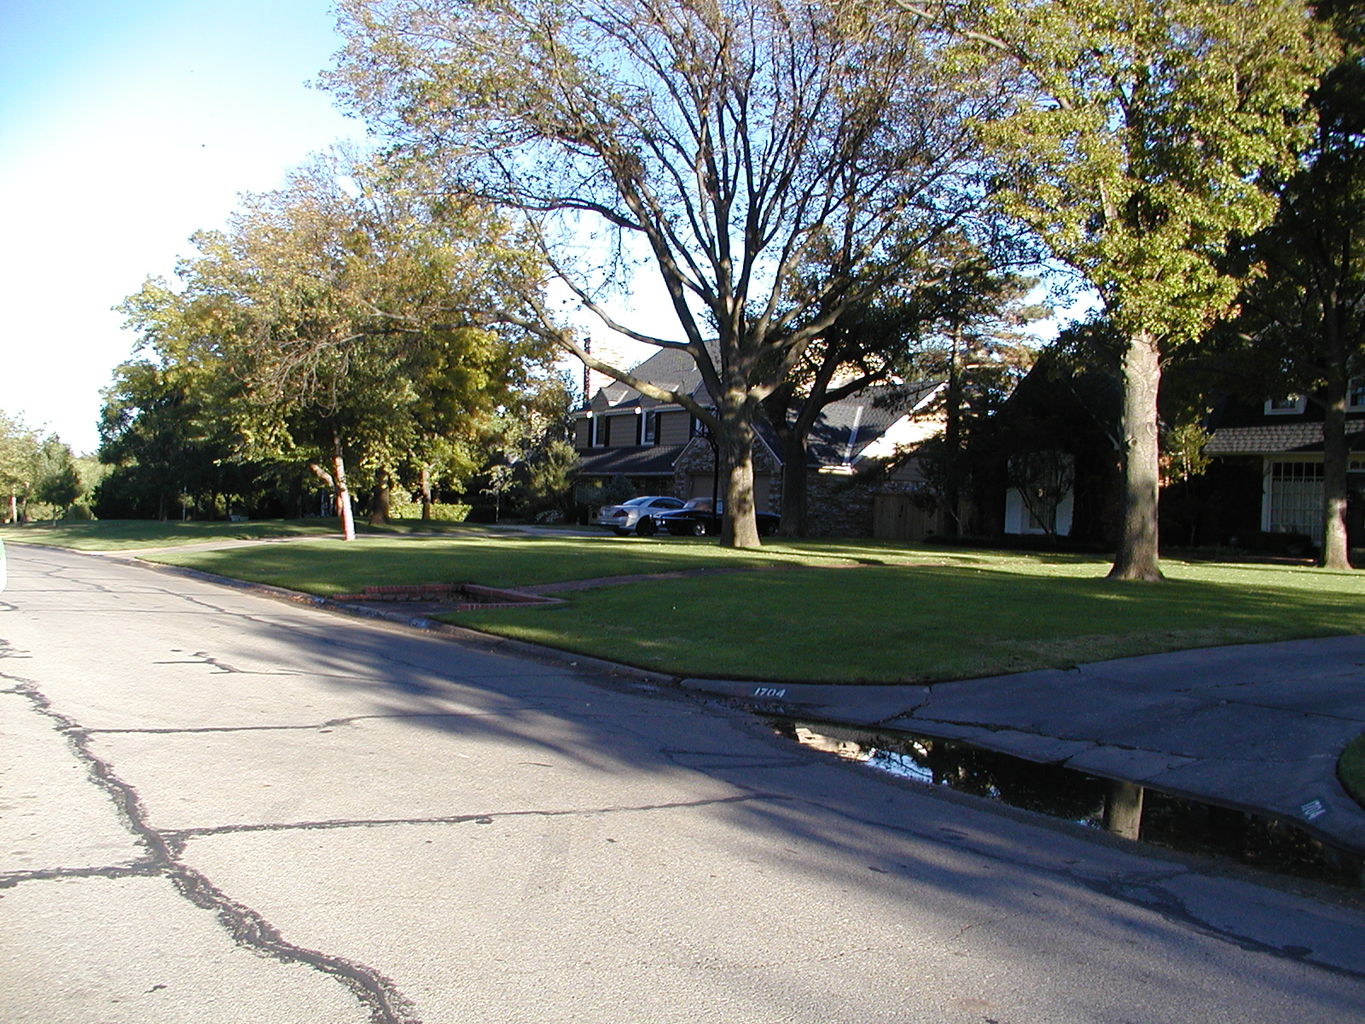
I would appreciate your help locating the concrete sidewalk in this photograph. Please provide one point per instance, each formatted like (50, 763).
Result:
(1255, 727)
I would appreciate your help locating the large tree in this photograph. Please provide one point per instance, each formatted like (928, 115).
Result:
(730, 145)
(1139, 147)
(329, 312)
(1307, 309)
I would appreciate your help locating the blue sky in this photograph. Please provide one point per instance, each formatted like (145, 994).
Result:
(125, 126)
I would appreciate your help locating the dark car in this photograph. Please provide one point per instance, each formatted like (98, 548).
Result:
(699, 517)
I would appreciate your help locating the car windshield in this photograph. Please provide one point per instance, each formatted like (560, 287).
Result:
(638, 501)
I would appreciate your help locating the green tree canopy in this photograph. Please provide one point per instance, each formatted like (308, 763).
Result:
(1304, 314)
(328, 320)
(736, 145)
(1139, 147)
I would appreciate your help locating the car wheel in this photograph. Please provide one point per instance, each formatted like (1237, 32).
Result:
(698, 529)
(646, 527)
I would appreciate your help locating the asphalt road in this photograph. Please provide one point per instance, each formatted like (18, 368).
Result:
(218, 807)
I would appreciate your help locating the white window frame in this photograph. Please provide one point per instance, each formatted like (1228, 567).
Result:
(1298, 404)
(1355, 394)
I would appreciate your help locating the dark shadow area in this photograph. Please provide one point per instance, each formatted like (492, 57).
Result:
(1168, 821)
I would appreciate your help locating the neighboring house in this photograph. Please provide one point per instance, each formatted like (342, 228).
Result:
(1048, 461)
(1281, 439)
(857, 448)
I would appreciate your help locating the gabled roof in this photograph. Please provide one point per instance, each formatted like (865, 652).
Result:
(846, 431)
(846, 428)
(669, 368)
(1245, 428)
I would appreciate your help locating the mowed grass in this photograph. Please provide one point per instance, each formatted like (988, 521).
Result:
(331, 566)
(131, 534)
(925, 622)
(827, 611)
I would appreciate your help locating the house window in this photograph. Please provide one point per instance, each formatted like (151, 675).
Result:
(1294, 498)
(1355, 394)
(1285, 406)
(651, 426)
(598, 430)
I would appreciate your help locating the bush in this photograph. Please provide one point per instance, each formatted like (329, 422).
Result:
(79, 513)
(440, 512)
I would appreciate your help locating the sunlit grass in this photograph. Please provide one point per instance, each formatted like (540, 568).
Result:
(836, 611)
(130, 534)
(917, 623)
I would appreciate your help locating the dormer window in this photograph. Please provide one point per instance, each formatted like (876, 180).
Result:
(1288, 405)
(651, 426)
(1355, 395)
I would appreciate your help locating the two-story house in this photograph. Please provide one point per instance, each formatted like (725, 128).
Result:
(661, 449)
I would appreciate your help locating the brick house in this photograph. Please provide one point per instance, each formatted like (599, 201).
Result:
(859, 447)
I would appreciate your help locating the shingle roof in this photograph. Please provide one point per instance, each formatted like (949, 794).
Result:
(840, 434)
(1274, 438)
(669, 368)
(650, 460)
(846, 427)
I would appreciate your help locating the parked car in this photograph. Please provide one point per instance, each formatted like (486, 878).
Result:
(698, 517)
(637, 515)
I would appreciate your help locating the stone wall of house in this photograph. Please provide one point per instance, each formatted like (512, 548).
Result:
(844, 506)
(838, 506)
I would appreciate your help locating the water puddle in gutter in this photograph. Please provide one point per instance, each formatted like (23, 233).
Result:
(1131, 811)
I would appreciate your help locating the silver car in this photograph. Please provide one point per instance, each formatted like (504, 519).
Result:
(636, 515)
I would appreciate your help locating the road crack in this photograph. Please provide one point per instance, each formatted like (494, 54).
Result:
(177, 839)
(248, 928)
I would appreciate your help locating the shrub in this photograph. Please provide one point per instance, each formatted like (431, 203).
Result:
(440, 512)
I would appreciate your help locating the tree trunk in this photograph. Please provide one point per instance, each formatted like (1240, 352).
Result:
(952, 440)
(1136, 558)
(426, 494)
(343, 499)
(379, 500)
(739, 528)
(1336, 551)
(795, 496)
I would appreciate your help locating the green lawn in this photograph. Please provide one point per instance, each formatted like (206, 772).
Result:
(837, 611)
(132, 534)
(930, 622)
(129, 534)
